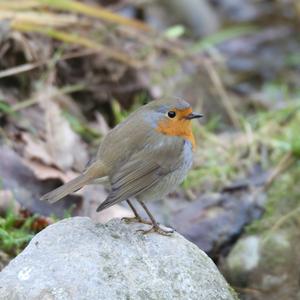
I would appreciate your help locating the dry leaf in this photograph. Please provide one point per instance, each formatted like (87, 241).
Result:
(36, 150)
(63, 144)
(43, 172)
(18, 178)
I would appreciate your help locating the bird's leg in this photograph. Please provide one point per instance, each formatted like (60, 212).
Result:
(137, 218)
(155, 227)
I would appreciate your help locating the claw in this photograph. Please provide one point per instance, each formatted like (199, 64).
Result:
(136, 220)
(157, 229)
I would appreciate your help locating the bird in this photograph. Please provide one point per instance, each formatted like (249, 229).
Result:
(144, 157)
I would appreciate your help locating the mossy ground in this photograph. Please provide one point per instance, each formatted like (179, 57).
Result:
(15, 232)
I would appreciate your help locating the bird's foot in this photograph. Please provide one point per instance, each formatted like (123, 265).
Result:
(156, 228)
(136, 220)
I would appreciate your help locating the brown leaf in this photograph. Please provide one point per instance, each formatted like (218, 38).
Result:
(63, 144)
(36, 149)
(27, 189)
(43, 172)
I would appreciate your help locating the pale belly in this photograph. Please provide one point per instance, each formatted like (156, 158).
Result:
(170, 181)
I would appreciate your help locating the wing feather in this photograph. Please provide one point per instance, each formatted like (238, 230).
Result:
(138, 174)
(133, 179)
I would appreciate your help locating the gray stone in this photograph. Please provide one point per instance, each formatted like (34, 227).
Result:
(244, 257)
(77, 259)
(267, 263)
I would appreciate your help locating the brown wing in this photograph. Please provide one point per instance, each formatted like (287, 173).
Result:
(143, 170)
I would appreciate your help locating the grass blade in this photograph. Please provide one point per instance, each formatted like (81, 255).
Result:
(78, 40)
(94, 11)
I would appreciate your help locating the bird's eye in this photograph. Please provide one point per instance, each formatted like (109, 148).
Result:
(171, 114)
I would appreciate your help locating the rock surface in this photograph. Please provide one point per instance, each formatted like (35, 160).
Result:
(266, 264)
(77, 259)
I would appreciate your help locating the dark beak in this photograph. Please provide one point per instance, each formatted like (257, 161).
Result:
(193, 116)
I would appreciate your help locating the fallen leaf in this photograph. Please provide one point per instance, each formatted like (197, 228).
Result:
(27, 189)
(43, 172)
(63, 144)
(36, 149)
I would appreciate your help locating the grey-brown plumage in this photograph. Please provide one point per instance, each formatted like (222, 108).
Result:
(138, 160)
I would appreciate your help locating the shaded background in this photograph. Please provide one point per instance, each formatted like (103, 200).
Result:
(69, 71)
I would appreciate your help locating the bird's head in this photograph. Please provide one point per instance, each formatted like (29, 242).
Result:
(173, 118)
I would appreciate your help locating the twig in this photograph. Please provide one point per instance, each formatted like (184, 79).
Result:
(281, 167)
(281, 221)
(64, 90)
(215, 78)
(78, 40)
(20, 69)
(23, 104)
(30, 66)
(247, 290)
(95, 11)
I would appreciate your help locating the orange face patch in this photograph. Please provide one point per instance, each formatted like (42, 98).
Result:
(178, 126)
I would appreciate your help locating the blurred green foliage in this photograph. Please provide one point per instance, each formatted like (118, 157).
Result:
(13, 238)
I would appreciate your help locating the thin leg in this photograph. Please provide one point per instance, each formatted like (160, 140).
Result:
(133, 209)
(155, 227)
(137, 217)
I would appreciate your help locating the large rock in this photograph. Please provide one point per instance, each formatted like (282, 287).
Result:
(266, 266)
(77, 259)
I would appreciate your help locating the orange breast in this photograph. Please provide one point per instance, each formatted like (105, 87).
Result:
(178, 126)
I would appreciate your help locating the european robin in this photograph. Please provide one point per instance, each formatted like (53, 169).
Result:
(144, 157)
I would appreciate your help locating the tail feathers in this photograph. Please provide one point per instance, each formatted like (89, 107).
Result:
(106, 204)
(70, 187)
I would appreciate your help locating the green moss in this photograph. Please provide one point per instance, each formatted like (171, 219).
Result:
(121, 114)
(87, 133)
(283, 197)
(222, 158)
(233, 293)
(275, 250)
(14, 235)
